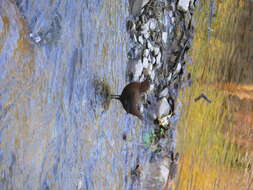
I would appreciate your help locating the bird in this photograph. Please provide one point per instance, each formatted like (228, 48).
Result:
(130, 97)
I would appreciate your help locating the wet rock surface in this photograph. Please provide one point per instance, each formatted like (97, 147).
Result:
(161, 33)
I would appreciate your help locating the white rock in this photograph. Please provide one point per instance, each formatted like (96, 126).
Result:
(183, 5)
(145, 62)
(179, 66)
(146, 53)
(163, 107)
(140, 40)
(164, 37)
(152, 24)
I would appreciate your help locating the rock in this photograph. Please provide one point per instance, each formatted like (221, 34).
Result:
(163, 108)
(152, 60)
(152, 24)
(179, 67)
(135, 52)
(140, 40)
(183, 5)
(144, 28)
(152, 75)
(164, 92)
(147, 35)
(144, 2)
(145, 62)
(156, 50)
(144, 18)
(173, 58)
(137, 5)
(146, 53)
(150, 46)
(164, 37)
(137, 70)
(169, 77)
(187, 19)
(130, 25)
(147, 71)
(158, 60)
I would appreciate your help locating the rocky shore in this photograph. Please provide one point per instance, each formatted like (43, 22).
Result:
(161, 33)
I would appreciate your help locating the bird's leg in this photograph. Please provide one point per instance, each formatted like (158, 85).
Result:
(117, 97)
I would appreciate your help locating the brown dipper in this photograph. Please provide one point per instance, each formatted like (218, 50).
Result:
(131, 97)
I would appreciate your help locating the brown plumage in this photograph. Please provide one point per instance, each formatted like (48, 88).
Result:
(131, 97)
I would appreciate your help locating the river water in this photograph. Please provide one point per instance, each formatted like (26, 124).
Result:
(54, 132)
